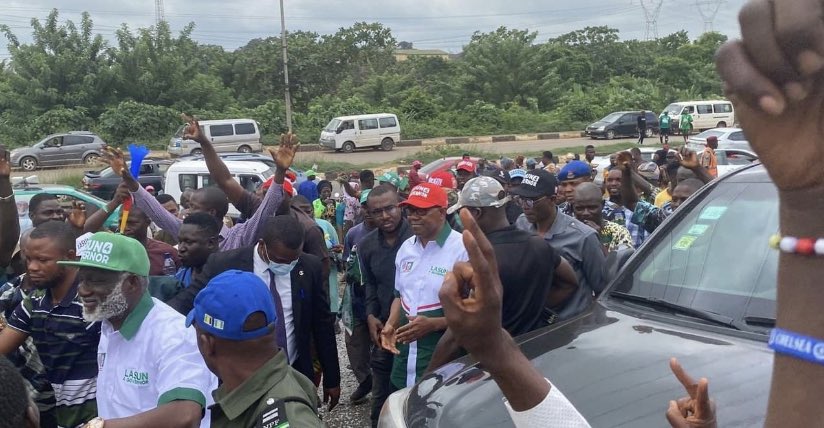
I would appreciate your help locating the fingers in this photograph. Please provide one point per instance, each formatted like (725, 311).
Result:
(759, 39)
(683, 377)
(800, 33)
(703, 405)
(744, 82)
(674, 416)
(481, 256)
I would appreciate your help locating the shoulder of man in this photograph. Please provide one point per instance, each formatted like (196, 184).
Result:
(288, 403)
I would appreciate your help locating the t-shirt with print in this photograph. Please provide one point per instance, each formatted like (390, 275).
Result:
(614, 236)
(419, 274)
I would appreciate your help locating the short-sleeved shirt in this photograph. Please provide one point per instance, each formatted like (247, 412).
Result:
(614, 236)
(67, 346)
(151, 361)
(274, 395)
(352, 207)
(642, 121)
(156, 250)
(526, 265)
(419, 274)
(685, 122)
(649, 216)
(621, 216)
(662, 198)
(664, 121)
(580, 246)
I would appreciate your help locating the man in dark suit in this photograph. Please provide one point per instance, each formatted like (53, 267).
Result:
(296, 283)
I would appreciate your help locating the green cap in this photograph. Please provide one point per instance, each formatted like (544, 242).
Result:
(310, 173)
(392, 178)
(111, 251)
(364, 195)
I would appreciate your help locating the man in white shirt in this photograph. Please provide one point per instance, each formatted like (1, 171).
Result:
(150, 372)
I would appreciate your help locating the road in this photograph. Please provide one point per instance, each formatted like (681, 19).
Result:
(510, 147)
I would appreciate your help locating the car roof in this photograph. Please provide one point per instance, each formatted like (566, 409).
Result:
(199, 165)
(364, 116)
(223, 121)
(44, 188)
(700, 101)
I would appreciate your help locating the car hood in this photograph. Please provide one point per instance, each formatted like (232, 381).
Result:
(614, 368)
(598, 124)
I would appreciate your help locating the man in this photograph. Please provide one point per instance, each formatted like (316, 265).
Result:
(367, 179)
(685, 124)
(50, 317)
(571, 175)
(168, 202)
(377, 253)
(235, 319)
(663, 128)
(9, 224)
(576, 242)
(616, 212)
(504, 178)
(296, 283)
(507, 164)
(660, 156)
(589, 153)
(416, 319)
(589, 209)
(16, 408)
(309, 189)
(44, 207)
(198, 239)
(150, 372)
(465, 171)
(533, 274)
(351, 203)
(547, 161)
(642, 126)
(415, 177)
(708, 158)
(392, 178)
(137, 227)
(531, 164)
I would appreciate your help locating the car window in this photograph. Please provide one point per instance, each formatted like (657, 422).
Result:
(688, 109)
(179, 133)
(388, 122)
(651, 117)
(367, 124)
(737, 136)
(244, 128)
(162, 168)
(736, 157)
(722, 108)
(612, 117)
(187, 181)
(207, 181)
(715, 258)
(221, 130)
(704, 109)
(54, 142)
(249, 182)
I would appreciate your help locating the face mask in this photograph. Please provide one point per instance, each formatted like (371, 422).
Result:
(279, 269)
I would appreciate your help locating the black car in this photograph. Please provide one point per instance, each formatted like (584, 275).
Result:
(622, 124)
(104, 183)
(702, 289)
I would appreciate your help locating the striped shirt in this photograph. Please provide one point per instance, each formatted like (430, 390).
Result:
(68, 349)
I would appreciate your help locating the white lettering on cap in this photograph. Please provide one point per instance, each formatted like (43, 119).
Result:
(81, 242)
(97, 252)
(531, 180)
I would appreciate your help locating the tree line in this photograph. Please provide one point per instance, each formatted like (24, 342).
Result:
(134, 87)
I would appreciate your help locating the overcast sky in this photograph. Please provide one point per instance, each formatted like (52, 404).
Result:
(429, 24)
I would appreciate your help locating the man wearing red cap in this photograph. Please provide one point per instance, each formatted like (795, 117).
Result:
(415, 177)
(416, 321)
(466, 171)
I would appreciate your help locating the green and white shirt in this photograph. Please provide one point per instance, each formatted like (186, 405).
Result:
(419, 274)
(152, 360)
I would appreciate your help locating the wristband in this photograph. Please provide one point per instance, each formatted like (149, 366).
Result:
(106, 209)
(6, 198)
(797, 345)
(802, 246)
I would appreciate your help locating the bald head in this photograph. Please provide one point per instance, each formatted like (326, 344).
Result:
(588, 192)
(684, 190)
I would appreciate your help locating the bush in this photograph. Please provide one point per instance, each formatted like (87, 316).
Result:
(130, 121)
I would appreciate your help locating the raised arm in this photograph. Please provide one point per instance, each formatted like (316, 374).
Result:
(95, 222)
(348, 188)
(689, 160)
(9, 222)
(217, 169)
(629, 196)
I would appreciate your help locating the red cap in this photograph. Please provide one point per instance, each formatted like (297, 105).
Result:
(466, 165)
(444, 179)
(287, 185)
(427, 195)
(291, 176)
(417, 164)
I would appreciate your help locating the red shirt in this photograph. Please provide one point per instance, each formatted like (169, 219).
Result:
(414, 178)
(156, 250)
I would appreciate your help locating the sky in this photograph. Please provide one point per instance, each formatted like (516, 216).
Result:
(428, 24)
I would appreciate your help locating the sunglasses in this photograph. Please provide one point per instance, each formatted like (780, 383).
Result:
(528, 202)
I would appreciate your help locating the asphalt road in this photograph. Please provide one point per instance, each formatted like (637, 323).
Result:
(362, 157)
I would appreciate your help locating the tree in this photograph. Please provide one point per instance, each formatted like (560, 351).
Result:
(405, 45)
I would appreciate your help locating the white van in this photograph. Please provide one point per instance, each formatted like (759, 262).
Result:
(705, 114)
(348, 133)
(231, 135)
(195, 175)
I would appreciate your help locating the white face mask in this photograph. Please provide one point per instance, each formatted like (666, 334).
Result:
(114, 306)
(279, 269)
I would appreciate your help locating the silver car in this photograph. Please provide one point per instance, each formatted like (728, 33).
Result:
(58, 150)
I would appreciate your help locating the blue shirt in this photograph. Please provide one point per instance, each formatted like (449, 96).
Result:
(309, 190)
(184, 276)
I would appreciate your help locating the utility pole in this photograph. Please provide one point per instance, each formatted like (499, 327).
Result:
(708, 9)
(160, 13)
(285, 69)
(652, 8)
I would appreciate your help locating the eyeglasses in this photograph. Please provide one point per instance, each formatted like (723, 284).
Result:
(528, 202)
(378, 212)
(417, 212)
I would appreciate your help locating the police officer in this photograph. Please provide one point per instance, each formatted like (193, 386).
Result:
(235, 318)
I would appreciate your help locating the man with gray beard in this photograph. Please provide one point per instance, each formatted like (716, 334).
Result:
(150, 372)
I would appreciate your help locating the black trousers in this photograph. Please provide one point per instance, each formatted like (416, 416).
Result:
(358, 348)
(381, 383)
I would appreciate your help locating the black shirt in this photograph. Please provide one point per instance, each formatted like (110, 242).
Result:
(526, 265)
(642, 122)
(513, 211)
(378, 268)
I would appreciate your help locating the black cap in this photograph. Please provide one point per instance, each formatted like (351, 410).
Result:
(536, 183)
(501, 175)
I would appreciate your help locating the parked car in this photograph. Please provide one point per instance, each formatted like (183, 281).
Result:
(231, 135)
(702, 289)
(348, 133)
(705, 114)
(444, 164)
(250, 157)
(59, 150)
(67, 195)
(104, 183)
(621, 124)
(728, 138)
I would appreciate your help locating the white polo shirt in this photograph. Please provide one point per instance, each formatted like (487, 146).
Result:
(152, 360)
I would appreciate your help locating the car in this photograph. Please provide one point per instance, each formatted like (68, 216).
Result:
(67, 195)
(728, 138)
(621, 124)
(705, 114)
(701, 289)
(444, 164)
(59, 150)
(250, 157)
(230, 135)
(104, 183)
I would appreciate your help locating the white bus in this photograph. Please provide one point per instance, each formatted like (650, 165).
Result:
(348, 133)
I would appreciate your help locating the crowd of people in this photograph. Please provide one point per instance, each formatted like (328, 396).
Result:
(178, 319)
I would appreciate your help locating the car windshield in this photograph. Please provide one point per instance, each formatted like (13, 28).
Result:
(716, 258)
(706, 134)
(612, 117)
(332, 126)
(673, 109)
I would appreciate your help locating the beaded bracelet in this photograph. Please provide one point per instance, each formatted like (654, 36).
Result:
(797, 345)
(802, 246)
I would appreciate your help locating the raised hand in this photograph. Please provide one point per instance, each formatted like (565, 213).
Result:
(688, 158)
(624, 160)
(284, 155)
(114, 158)
(77, 215)
(696, 410)
(193, 131)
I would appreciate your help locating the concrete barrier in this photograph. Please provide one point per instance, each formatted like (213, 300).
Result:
(310, 148)
(458, 140)
(410, 143)
(549, 136)
(501, 138)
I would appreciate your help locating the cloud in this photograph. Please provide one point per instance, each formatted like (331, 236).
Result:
(432, 24)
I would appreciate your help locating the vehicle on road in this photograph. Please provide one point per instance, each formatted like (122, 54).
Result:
(379, 131)
(58, 150)
(193, 174)
(443, 164)
(230, 135)
(705, 114)
(701, 289)
(250, 157)
(622, 124)
(728, 138)
(67, 196)
(104, 183)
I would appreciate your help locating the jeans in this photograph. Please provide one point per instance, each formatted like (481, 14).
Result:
(381, 384)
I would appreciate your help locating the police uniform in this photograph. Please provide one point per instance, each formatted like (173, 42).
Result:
(276, 396)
